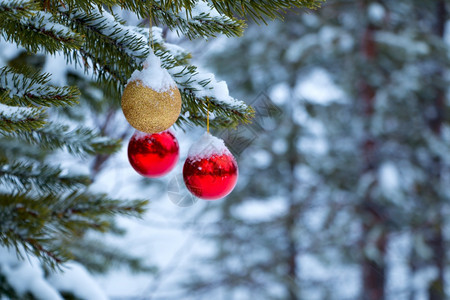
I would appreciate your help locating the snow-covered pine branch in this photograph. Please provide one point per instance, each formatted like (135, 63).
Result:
(15, 118)
(69, 214)
(124, 50)
(29, 88)
(28, 278)
(201, 21)
(80, 141)
(39, 178)
(17, 8)
(38, 31)
(260, 11)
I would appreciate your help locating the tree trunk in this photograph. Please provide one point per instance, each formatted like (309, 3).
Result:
(291, 222)
(373, 268)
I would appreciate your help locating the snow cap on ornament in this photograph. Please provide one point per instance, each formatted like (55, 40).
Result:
(151, 101)
(210, 171)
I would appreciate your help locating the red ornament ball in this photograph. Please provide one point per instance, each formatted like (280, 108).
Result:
(210, 171)
(153, 155)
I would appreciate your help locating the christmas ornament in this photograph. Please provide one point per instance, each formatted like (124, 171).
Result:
(151, 101)
(153, 155)
(210, 171)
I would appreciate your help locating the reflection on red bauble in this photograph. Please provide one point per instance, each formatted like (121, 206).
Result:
(210, 171)
(153, 155)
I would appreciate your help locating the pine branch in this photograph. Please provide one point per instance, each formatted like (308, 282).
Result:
(15, 119)
(38, 177)
(124, 49)
(28, 88)
(50, 217)
(18, 8)
(111, 49)
(81, 141)
(260, 10)
(40, 31)
(198, 89)
(200, 21)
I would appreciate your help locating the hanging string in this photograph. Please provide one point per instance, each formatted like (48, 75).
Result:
(150, 26)
(207, 117)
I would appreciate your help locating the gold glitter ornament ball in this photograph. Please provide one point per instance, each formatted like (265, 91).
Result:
(148, 110)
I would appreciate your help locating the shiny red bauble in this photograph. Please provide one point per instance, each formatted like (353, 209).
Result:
(211, 178)
(153, 155)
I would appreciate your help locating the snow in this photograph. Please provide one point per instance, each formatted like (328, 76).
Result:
(16, 3)
(53, 65)
(389, 179)
(201, 10)
(318, 87)
(107, 25)
(153, 75)
(75, 279)
(44, 21)
(280, 93)
(262, 158)
(207, 146)
(26, 276)
(202, 7)
(16, 113)
(403, 41)
(205, 85)
(257, 210)
(376, 12)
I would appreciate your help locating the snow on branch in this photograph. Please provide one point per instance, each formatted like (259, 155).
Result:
(259, 10)
(45, 23)
(17, 7)
(79, 141)
(106, 25)
(31, 88)
(190, 79)
(115, 51)
(132, 42)
(40, 178)
(38, 31)
(201, 20)
(14, 118)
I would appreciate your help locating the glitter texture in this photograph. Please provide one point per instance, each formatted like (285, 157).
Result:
(150, 111)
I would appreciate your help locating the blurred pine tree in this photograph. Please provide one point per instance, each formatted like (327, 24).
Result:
(342, 180)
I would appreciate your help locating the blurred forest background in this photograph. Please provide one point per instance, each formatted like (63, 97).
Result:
(344, 183)
(345, 194)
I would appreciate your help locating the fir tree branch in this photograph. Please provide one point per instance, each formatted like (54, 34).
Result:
(117, 59)
(198, 88)
(39, 32)
(18, 8)
(259, 10)
(38, 177)
(81, 141)
(111, 49)
(27, 88)
(15, 119)
(54, 215)
(201, 22)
